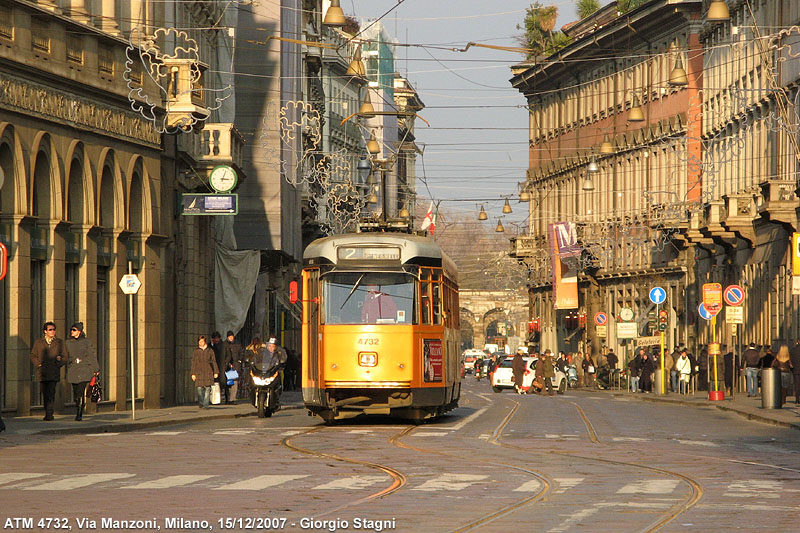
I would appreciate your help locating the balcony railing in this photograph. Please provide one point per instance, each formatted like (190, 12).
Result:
(214, 144)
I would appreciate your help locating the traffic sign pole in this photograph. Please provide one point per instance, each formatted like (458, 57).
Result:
(663, 391)
(130, 341)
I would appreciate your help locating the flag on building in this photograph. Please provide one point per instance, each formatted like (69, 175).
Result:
(429, 222)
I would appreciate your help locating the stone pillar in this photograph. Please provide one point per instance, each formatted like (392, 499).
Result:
(87, 291)
(107, 18)
(150, 349)
(18, 279)
(48, 4)
(77, 10)
(55, 298)
(117, 333)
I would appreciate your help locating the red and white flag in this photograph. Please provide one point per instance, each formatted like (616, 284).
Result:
(429, 222)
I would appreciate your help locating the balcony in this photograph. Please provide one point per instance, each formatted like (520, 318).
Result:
(742, 213)
(778, 202)
(715, 216)
(525, 246)
(216, 144)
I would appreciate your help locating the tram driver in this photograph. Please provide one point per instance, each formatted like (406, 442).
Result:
(378, 307)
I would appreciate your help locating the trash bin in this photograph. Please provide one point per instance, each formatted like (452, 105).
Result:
(770, 388)
(657, 381)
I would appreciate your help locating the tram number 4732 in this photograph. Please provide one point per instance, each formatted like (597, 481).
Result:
(368, 341)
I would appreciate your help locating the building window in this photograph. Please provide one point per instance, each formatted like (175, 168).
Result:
(40, 38)
(74, 48)
(105, 60)
(7, 23)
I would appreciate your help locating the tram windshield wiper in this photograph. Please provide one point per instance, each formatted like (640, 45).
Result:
(358, 282)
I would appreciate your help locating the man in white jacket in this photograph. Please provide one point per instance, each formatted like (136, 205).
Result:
(684, 367)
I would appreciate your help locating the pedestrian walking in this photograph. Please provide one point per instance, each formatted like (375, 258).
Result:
(751, 361)
(81, 366)
(767, 358)
(784, 363)
(588, 369)
(669, 369)
(728, 370)
(518, 371)
(702, 364)
(794, 357)
(674, 373)
(684, 368)
(204, 371)
(635, 370)
(548, 372)
(48, 355)
(222, 364)
(233, 356)
(646, 376)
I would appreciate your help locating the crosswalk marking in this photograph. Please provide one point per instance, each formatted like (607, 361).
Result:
(360, 431)
(450, 482)
(102, 434)
(234, 432)
(629, 439)
(430, 434)
(650, 486)
(566, 483)
(168, 482)
(260, 482)
(290, 433)
(10, 477)
(699, 443)
(79, 481)
(761, 488)
(166, 433)
(531, 486)
(351, 483)
(564, 437)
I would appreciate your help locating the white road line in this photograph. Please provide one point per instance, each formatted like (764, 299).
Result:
(102, 434)
(699, 443)
(485, 397)
(771, 508)
(260, 482)
(10, 477)
(79, 481)
(290, 433)
(166, 433)
(575, 517)
(234, 432)
(484, 436)
(758, 488)
(635, 505)
(430, 434)
(530, 486)
(467, 420)
(360, 431)
(351, 483)
(650, 486)
(168, 482)
(629, 439)
(566, 483)
(450, 482)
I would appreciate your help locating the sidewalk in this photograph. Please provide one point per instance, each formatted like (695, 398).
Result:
(120, 421)
(750, 408)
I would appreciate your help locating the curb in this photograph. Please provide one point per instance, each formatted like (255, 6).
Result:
(134, 426)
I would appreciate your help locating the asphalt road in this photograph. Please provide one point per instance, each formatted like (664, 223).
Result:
(583, 461)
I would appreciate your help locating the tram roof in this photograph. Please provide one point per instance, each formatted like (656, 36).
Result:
(413, 249)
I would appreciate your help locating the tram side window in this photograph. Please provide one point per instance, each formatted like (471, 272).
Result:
(430, 288)
(437, 301)
(425, 302)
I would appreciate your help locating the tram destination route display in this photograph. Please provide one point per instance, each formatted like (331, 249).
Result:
(368, 253)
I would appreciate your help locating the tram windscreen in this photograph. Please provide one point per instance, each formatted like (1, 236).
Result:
(368, 298)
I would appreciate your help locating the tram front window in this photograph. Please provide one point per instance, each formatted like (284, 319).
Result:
(368, 298)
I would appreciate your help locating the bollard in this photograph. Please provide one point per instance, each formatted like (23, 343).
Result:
(770, 388)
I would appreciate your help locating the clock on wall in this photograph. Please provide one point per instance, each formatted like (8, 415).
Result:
(222, 178)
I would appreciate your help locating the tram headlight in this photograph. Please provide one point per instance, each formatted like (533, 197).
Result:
(367, 359)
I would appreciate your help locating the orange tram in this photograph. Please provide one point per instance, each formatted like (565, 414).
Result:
(380, 327)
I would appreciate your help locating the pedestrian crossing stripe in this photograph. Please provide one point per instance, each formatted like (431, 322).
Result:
(79, 481)
(566, 483)
(11, 477)
(352, 483)
(531, 486)
(650, 486)
(169, 482)
(451, 482)
(261, 482)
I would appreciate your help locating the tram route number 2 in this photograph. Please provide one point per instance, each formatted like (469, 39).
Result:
(368, 341)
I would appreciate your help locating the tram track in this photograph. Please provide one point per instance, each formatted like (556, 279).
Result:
(398, 478)
(696, 488)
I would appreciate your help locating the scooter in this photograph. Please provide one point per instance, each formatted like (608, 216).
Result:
(572, 376)
(266, 391)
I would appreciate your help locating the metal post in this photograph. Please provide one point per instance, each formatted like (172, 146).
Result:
(384, 203)
(714, 340)
(130, 341)
(661, 334)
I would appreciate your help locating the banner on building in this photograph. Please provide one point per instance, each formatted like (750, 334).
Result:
(564, 252)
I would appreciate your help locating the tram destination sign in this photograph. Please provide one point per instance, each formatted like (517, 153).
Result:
(368, 253)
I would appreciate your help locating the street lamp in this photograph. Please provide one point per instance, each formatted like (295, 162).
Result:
(482, 215)
(677, 77)
(593, 167)
(356, 67)
(334, 17)
(524, 196)
(606, 147)
(588, 184)
(507, 208)
(635, 114)
(718, 12)
(499, 228)
(372, 146)
(366, 110)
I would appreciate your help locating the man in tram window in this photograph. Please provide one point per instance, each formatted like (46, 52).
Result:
(378, 307)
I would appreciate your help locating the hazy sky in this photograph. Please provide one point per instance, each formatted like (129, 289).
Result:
(475, 148)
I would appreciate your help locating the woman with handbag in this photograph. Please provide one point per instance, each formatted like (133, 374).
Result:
(81, 365)
(588, 370)
(204, 371)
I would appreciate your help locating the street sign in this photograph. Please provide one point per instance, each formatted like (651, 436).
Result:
(734, 315)
(658, 295)
(712, 297)
(627, 330)
(626, 314)
(796, 254)
(653, 340)
(130, 284)
(733, 295)
(602, 331)
(3, 260)
(705, 313)
(600, 319)
(209, 204)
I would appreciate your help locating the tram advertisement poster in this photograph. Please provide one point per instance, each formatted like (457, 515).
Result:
(432, 359)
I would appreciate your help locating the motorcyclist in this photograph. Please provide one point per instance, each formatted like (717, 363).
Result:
(478, 367)
(273, 356)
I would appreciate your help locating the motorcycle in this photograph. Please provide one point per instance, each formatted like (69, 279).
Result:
(266, 391)
(572, 376)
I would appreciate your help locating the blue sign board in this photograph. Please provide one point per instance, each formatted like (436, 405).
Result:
(704, 312)
(658, 295)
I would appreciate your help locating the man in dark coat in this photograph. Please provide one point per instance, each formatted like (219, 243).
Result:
(751, 361)
(48, 355)
(518, 370)
(222, 364)
(81, 365)
(635, 370)
(728, 366)
(702, 363)
(548, 371)
(233, 356)
(646, 379)
(794, 357)
(204, 371)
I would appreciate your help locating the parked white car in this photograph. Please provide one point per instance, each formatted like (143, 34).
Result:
(468, 359)
(501, 379)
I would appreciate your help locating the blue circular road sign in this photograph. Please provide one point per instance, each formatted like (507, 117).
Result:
(704, 312)
(658, 295)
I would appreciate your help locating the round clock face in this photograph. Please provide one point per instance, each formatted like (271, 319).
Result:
(626, 314)
(223, 178)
